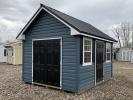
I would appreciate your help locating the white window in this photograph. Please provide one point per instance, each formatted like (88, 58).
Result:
(87, 51)
(108, 52)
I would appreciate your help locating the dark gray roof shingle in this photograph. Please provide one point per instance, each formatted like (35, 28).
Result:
(79, 25)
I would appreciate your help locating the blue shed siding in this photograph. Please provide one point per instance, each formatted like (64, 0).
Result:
(86, 74)
(107, 69)
(47, 26)
(75, 77)
(87, 77)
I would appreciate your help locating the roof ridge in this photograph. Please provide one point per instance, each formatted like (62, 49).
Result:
(77, 24)
(91, 26)
(64, 13)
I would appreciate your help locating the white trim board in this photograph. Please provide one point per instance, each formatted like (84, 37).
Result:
(73, 31)
(60, 38)
(95, 65)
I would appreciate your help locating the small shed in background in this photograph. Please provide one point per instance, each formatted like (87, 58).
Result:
(132, 56)
(124, 54)
(14, 53)
(3, 53)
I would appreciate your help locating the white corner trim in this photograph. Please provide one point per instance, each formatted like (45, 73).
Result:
(74, 32)
(21, 37)
(95, 65)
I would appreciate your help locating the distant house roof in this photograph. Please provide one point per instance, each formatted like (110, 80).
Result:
(10, 44)
(77, 24)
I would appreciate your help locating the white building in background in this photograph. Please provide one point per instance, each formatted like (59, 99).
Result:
(14, 51)
(132, 56)
(3, 54)
(125, 54)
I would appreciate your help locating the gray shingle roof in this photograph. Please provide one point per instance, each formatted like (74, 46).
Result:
(77, 24)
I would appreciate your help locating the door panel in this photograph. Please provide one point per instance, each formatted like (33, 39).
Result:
(99, 60)
(47, 62)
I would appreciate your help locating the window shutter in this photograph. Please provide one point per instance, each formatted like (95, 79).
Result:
(81, 50)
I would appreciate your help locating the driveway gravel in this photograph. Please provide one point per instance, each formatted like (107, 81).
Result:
(119, 88)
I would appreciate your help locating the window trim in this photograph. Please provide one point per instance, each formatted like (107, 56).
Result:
(88, 63)
(108, 52)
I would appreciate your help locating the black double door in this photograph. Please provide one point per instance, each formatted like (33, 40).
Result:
(99, 60)
(46, 62)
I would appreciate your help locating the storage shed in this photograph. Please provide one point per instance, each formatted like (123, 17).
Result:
(14, 52)
(63, 52)
(3, 53)
(124, 54)
(132, 56)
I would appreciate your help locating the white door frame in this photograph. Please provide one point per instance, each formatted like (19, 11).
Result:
(60, 38)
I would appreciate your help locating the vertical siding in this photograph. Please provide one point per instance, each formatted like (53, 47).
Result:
(47, 26)
(18, 53)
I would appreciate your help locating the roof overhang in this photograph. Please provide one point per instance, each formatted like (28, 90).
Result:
(11, 44)
(21, 35)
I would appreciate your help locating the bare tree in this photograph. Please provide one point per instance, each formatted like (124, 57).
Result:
(116, 32)
(123, 33)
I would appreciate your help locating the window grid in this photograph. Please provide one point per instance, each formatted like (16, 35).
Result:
(87, 51)
(108, 52)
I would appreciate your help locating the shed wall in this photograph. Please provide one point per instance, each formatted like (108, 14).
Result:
(46, 26)
(124, 54)
(75, 77)
(2, 57)
(107, 70)
(132, 56)
(86, 74)
(18, 53)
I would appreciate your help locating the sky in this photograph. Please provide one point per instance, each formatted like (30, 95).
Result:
(103, 14)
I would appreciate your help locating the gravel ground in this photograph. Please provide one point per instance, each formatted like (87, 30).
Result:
(119, 88)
